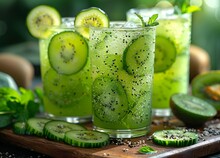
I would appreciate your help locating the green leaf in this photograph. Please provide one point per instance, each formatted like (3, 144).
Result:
(146, 150)
(183, 6)
(152, 19)
(142, 20)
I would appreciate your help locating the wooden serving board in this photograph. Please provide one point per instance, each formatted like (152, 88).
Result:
(56, 149)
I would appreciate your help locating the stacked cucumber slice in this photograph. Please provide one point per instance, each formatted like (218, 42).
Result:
(62, 131)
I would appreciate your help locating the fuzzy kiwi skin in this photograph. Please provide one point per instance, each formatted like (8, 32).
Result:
(188, 118)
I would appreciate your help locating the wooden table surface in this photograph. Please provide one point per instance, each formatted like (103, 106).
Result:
(210, 145)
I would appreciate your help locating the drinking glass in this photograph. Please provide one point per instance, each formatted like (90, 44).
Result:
(67, 92)
(171, 67)
(122, 58)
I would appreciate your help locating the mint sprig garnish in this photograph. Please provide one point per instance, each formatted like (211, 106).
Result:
(183, 6)
(151, 22)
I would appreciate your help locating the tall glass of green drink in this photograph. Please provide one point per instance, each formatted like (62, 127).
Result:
(122, 58)
(171, 66)
(66, 74)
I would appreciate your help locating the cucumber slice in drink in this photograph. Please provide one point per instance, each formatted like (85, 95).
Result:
(40, 19)
(165, 54)
(87, 139)
(136, 57)
(191, 110)
(175, 138)
(35, 126)
(63, 90)
(19, 128)
(56, 129)
(67, 52)
(109, 99)
(90, 17)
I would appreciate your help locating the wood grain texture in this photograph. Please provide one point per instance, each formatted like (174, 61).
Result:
(58, 149)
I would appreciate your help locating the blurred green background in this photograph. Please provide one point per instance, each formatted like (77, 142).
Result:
(14, 36)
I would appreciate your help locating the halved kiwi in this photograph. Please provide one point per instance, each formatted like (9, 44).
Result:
(40, 19)
(207, 87)
(191, 110)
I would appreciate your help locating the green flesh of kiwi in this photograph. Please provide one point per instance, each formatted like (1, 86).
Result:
(191, 110)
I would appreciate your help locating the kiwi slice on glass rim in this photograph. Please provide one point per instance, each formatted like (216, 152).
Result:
(193, 111)
(40, 19)
(92, 16)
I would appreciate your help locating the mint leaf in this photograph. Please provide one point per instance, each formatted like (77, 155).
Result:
(183, 6)
(151, 22)
(146, 150)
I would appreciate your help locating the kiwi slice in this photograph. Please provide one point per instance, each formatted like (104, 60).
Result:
(109, 99)
(191, 110)
(136, 56)
(40, 19)
(67, 52)
(92, 16)
(207, 87)
(175, 138)
(165, 54)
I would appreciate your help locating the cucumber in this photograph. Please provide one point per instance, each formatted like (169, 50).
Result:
(87, 139)
(110, 102)
(92, 16)
(35, 126)
(63, 90)
(136, 56)
(5, 118)
(165, 54)
(19, 128)
(67, 52)
(40, 19)
(175, 138)
(55, 129)
(191, 110)
(7, 81)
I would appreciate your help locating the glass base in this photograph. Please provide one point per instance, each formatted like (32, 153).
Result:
(77, 119)
(161, 112)
(128, 133)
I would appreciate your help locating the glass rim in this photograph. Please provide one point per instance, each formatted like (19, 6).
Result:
(163, 13)
(120, 26)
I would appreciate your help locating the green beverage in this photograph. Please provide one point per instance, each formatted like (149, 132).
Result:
(171, 69)
(122, 60)
(66, 74)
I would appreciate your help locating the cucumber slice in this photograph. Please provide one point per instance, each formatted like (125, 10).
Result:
(63, 90)
(191, 110)
(19, 128)
(109, 99)
(136, 56)
(55, 129)
(40, 19)
(87, 139)
(175, 138)
(90, 17)
(67, 52)
(165, 54)
(35, 126)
